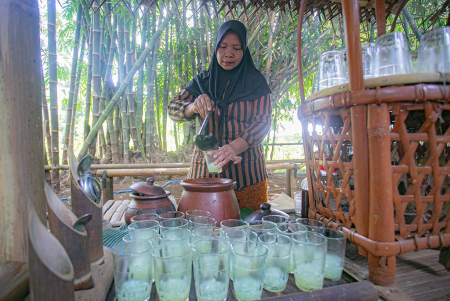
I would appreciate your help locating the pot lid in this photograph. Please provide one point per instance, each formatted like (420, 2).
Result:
(147, 188)
(265, 210)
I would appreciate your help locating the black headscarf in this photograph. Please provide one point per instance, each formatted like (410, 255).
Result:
(247, 83)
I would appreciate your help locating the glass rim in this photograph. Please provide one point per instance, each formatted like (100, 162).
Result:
(266, 250)
(183, 222)
(227, 244)
(135, 241)
(336, 231)
(287, 225)
(151, 221)
(163, 244)
(275, 241)
(321, 236)
(189, 212)
(321, 225)
(174, 212)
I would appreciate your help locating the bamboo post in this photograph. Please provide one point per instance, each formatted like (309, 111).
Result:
(82, 204)
(61, 221)
(358, 117)
(381, 207)
(51, 272)
(21, 142)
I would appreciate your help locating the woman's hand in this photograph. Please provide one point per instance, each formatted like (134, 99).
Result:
(202, 105)
(226, 154)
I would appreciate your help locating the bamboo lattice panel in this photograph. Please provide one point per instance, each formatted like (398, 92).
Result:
(420, 165)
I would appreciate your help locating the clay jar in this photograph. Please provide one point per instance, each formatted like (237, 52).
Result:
(148, 198)
(215, 195)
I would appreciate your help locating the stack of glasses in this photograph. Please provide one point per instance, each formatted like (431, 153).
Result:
(167, 249)
(389, 55)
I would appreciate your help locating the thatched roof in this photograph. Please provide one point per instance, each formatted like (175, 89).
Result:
(327, 9)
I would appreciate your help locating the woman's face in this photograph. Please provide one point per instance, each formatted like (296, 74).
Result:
(229, 52)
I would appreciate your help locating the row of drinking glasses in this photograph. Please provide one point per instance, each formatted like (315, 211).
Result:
(389, 55)
(254, 255)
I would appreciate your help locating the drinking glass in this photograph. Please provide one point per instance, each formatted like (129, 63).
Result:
(233, 223)
(212, 168)
(298, 202)
(198, 221)
(196, 212)
(367, 51)
(332, 69)
(144, 217)
(234, 235)
(310, 250)
(434, 51)
(260, 227)
(133, 270)
(178, 234)
(277, 219)
(145, 229)
(173, 270)
(170, 215)
(334, 262)
(311, 225)
(391, 55)
(172, 224)
(204, 232)
(289, 229)
(211, 269)
(249, 268)
(278, 259)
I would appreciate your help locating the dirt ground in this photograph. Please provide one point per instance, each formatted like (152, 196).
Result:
(276, 185)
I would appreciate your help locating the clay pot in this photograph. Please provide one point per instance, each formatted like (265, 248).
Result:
(265, 210)
(215, 195)
(148, 198)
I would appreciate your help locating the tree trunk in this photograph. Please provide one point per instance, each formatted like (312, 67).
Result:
(202, 49)
(53, 77)
(124, 85)
(73, 75)
(21, 158)
(407, 15)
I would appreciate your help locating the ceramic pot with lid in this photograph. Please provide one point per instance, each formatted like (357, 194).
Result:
(148, 198)
(265, 210)
(215, 195)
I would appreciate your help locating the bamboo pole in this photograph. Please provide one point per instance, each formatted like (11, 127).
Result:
(140, 86)
(46, 120)
(73, 75)
(53, 83)
(124, 103)
(123, 85)
(77, 89)
(96, 80)
(358, 117)
(87, 107)
(165, 103)
(21, 143)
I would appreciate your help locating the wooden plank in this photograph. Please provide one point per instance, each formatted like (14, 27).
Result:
(107, 205)
(392, 293)
(111, 210)
(14, 279)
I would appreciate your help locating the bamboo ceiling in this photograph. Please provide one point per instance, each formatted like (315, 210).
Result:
(327, 9)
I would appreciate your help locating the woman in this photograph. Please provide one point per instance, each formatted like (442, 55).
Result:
(240, 97)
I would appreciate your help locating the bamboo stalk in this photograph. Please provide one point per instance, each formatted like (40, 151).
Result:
(53, 85)
(105, 91)
(165, 89)
(125, 83)
(130, 94)
(77, 89)
(46, 119)
(124, 103)
(96, 80)
(140, 85)
(73, 75)
(150, 112)
(87, 107)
